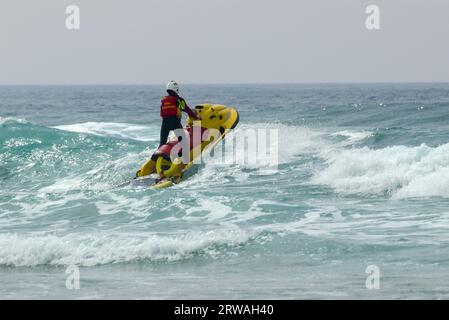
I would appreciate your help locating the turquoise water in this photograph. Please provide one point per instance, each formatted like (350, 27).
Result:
(363, 179)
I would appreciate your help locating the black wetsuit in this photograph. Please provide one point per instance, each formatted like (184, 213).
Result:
(169, 124)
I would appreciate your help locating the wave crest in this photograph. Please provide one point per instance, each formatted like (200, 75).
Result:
(399, 171)
(88, 250)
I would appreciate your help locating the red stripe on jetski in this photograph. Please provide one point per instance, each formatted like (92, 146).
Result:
(165, 149)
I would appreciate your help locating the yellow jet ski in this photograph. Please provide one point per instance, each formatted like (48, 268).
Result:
(170, 164)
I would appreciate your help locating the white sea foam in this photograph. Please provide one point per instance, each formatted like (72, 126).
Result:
(284, 147)
(8, 120)
(214, 207)
(124, 130)
(352, 137)
(98, 249)
(401, 171)
(100, 177)
(292, 140)
(112, 204)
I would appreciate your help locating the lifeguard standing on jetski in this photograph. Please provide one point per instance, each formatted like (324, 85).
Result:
(173, 158)
(171, 107)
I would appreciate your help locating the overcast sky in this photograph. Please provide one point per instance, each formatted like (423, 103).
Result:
(223, 41)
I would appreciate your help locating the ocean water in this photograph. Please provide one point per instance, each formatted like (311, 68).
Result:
(362, 180)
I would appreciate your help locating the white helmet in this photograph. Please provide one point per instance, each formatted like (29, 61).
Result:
(173, 86)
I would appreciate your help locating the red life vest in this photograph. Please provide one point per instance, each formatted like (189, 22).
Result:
(169, 107)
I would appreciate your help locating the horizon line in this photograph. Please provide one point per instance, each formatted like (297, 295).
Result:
(220, 83)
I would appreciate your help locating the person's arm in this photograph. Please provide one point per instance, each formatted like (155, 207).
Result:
(184, 107)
